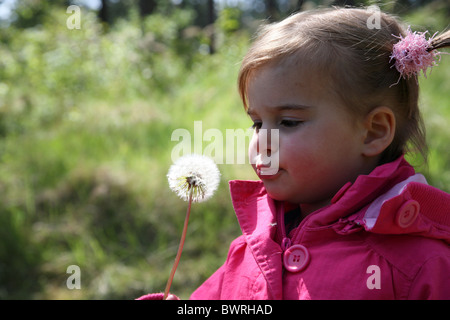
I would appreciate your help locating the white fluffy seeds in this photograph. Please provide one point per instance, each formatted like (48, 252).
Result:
(194, 173)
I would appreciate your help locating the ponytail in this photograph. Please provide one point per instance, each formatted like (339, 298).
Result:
(440, 41)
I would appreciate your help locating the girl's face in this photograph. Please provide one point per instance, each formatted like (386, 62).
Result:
(320, 143)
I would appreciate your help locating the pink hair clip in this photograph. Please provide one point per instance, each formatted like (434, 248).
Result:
(413, 53)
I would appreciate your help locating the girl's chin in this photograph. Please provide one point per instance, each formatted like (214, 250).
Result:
(280, 197)
(275, 193)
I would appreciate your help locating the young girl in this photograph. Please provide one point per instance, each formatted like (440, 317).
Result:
(344, 216)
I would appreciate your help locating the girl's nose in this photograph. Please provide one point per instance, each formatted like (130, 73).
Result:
(267, 141)
(264, 149)
(266, 159)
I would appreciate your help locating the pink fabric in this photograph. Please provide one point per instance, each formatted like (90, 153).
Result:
(157, 296)
(151, 296)
(348, 257)
(412, 54)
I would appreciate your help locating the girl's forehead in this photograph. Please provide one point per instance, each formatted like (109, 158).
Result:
(299, 76)
(274, 86)
(286, 85)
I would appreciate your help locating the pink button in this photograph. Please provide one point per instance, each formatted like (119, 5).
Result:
(408, 213)
(296, 258)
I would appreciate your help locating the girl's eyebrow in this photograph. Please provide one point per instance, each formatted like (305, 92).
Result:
(292, 107)
(283, 108)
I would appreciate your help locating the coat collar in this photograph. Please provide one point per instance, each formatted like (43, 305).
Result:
(353, 197)
(254, 208)
(373, 202)
(257, 213)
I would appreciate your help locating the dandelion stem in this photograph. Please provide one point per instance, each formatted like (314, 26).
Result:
(180, 247)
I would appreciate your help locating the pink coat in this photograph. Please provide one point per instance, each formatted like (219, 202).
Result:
(386, 236)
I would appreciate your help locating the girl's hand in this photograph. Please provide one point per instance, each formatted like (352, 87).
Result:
(157, 296)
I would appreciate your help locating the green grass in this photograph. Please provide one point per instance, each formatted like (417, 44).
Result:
(85, 126)
(83, 174)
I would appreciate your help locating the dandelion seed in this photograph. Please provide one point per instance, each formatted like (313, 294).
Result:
(194, 178)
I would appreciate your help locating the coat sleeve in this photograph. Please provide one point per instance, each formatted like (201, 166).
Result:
(211, 289)
(432, 282)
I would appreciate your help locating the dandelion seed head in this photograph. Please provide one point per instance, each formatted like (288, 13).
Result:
(194, 173)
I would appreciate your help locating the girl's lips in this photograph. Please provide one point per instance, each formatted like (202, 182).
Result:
(268, 173)
(266, 170)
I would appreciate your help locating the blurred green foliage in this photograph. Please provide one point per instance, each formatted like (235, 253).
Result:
(86, 118)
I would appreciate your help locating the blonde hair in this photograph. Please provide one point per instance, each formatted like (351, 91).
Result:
(352, 59)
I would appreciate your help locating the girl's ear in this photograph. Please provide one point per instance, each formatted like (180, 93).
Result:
(380, 130)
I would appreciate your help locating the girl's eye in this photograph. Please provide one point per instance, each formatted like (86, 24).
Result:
(290, 123)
